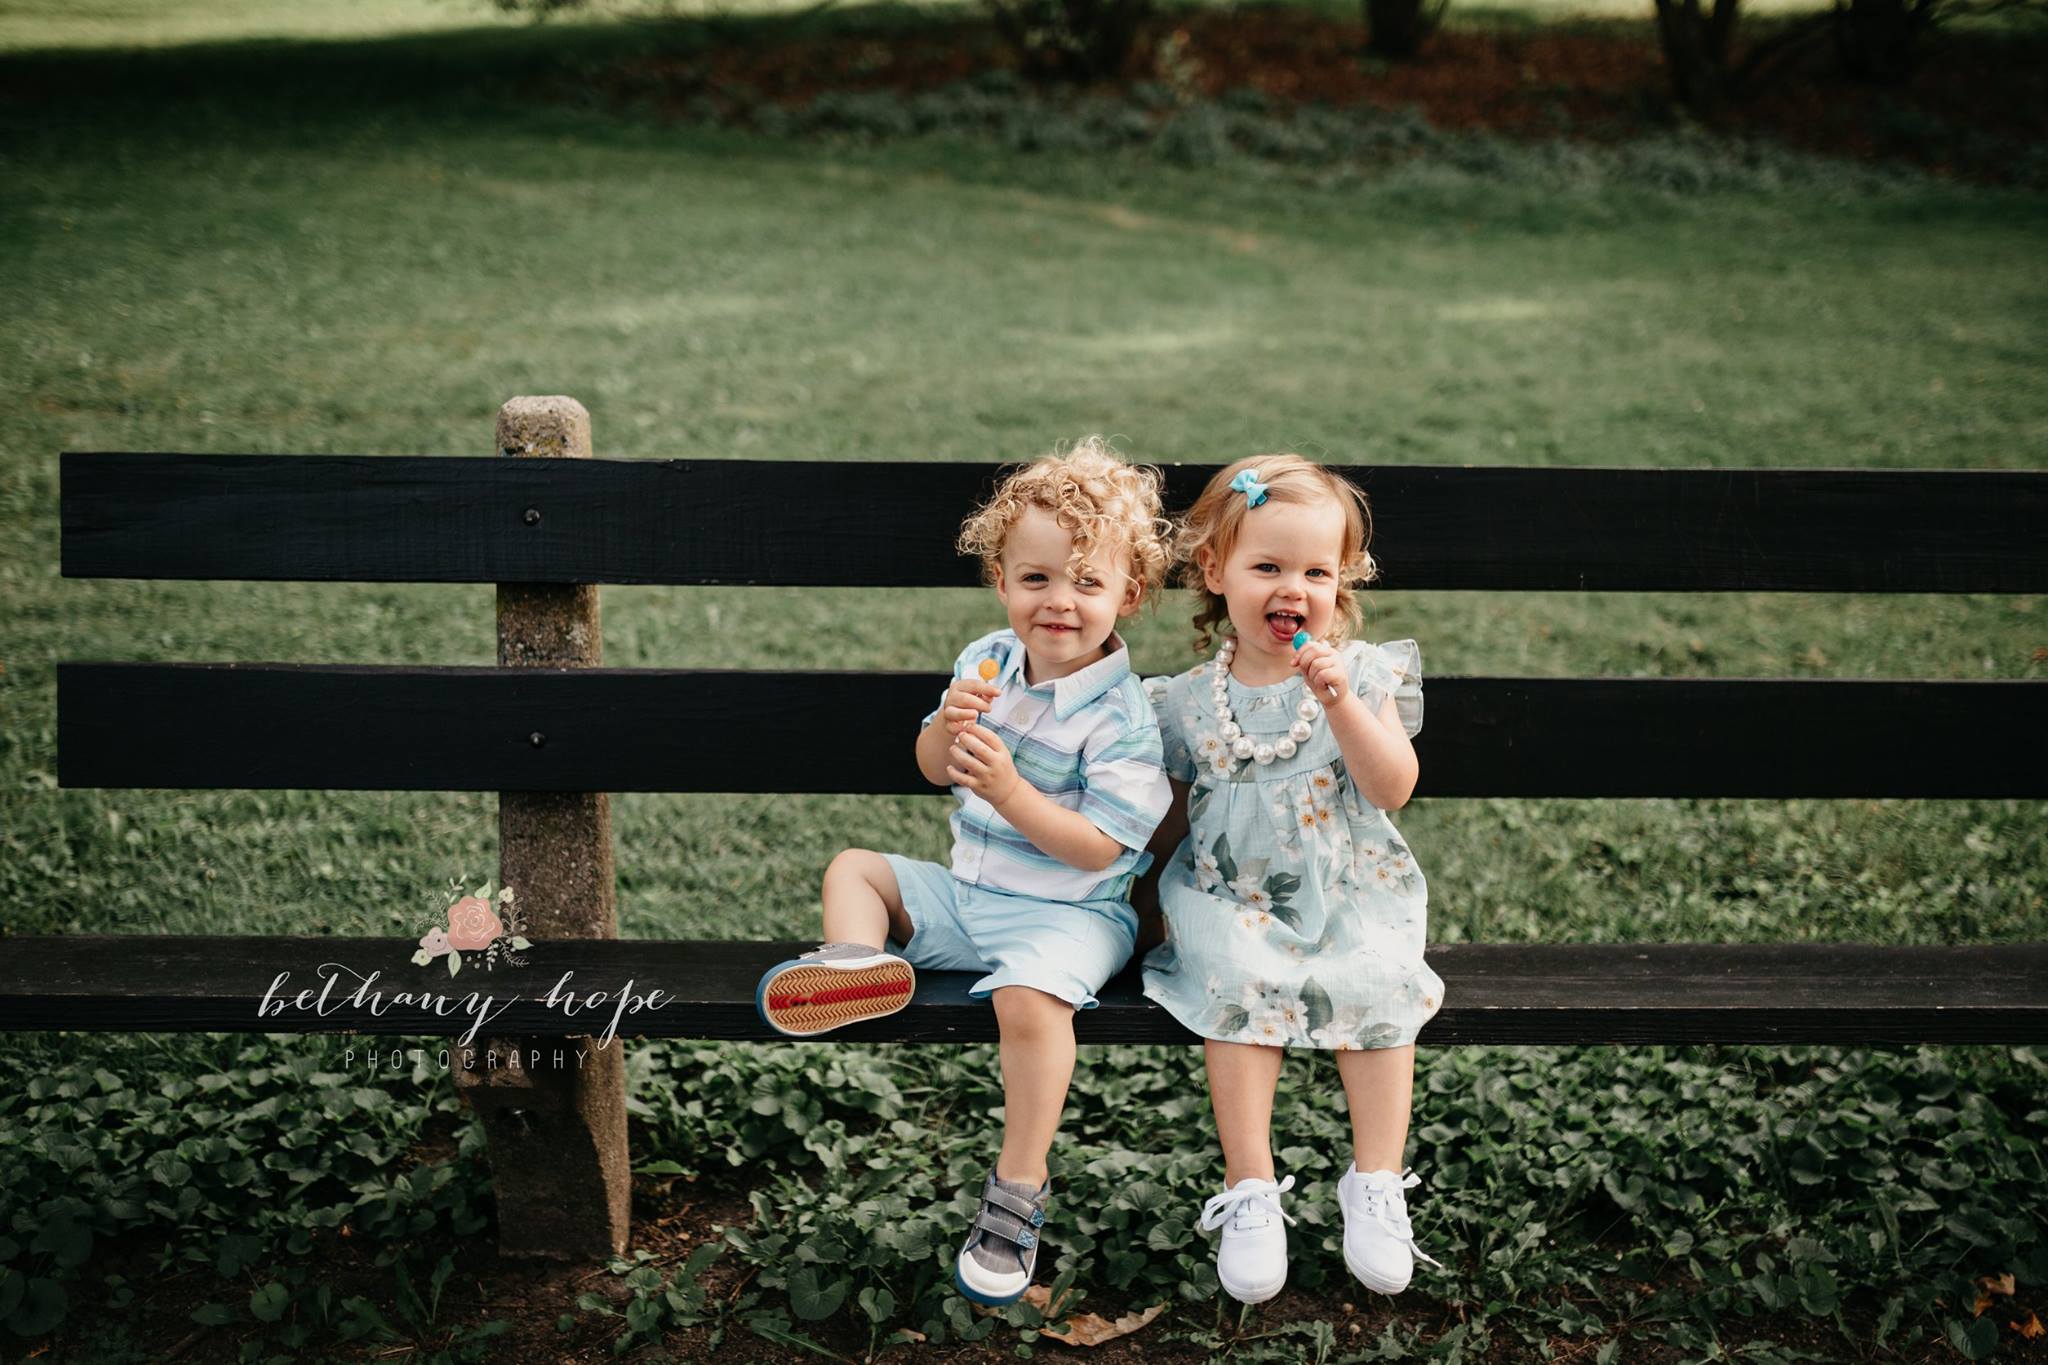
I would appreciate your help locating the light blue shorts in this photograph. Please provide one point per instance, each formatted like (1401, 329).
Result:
(1064, 948)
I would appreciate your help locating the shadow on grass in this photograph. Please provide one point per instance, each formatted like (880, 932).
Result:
(497, 64)
(423, 67)
(484, 65)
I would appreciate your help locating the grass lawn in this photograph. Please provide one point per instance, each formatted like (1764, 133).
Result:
(365, 246)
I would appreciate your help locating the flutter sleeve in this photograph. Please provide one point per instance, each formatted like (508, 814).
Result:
(1392, 668)
(1173, 740)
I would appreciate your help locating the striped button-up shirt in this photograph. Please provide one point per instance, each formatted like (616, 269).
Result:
(1090, 742)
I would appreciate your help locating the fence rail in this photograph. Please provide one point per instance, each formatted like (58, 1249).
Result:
(812, 523)
(1533, 993)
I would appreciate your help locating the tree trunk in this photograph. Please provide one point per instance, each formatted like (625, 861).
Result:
(1395, 28)
(1878, 40)
(1697, 47)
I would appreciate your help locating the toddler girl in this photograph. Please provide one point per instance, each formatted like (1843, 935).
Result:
(1294, 912)
(1050, 744)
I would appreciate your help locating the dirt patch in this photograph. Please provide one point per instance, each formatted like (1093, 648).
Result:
(1603, 81)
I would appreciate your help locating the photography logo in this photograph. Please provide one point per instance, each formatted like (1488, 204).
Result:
(485, 924)
(481, 926)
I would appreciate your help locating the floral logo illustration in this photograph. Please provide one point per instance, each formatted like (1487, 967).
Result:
(483, 924)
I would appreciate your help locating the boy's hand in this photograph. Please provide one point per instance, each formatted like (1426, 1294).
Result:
(1329, 682)
(966, 700)
(980, 762)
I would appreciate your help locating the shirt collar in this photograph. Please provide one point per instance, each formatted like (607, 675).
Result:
(1013, 664)
(1076, 690)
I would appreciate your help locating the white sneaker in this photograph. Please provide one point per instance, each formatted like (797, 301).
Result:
(1251, 1258)
(1379, 1244)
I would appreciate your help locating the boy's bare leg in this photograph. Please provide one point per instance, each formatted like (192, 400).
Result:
(1379, 1087)
(1038, 1064)
(1242, 1077)
(863, 903)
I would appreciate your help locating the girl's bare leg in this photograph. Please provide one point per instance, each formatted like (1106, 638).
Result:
(1242, 1077)
(1379, 1087)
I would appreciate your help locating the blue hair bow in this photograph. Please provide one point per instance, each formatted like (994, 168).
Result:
(1247, 483)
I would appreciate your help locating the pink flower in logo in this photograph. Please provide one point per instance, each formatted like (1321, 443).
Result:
(472, 924)
(434, 943)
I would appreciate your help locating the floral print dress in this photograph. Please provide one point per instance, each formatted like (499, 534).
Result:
(1295, 913)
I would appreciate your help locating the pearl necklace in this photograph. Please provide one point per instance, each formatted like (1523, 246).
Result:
(1232, 735)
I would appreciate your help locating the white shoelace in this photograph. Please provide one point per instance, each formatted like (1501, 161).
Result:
(1251, 1202)
(1376, 1196)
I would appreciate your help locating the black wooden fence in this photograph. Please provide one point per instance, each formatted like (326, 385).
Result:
(595, 730)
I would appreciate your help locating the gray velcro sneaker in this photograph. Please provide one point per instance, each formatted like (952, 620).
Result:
(1001, 1252)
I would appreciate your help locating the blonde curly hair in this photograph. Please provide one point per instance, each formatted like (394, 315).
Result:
(1107, 505)
(1212, 524)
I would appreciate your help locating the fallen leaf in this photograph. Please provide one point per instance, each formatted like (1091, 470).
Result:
(1987, 1285)
(1084, 1329)
(2031, 1329)
(1089, 1329)
(907, 1336)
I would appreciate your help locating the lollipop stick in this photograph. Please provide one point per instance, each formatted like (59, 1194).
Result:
(987, 668)
(1302, 640)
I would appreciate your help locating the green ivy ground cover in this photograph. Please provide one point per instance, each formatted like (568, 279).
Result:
(1593, 1196)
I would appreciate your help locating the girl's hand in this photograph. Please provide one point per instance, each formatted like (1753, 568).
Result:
(967, 699)
(981, 763)
(1329, 682)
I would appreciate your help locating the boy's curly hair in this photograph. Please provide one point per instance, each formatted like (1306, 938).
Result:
(1212, 524)
(1107, 505)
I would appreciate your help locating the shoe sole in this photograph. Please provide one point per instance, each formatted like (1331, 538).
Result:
(1371, 1281)
(801, 998)
(1248, 1296)
(976, 1296)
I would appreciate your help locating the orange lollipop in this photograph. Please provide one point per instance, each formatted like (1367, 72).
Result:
(989, 669)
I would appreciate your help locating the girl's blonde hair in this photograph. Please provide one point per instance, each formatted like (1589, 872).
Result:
(1212, 524)
(1106, 504)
